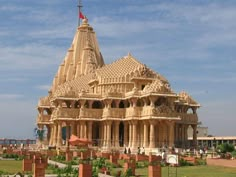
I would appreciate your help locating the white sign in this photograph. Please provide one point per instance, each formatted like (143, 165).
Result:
(172, 159)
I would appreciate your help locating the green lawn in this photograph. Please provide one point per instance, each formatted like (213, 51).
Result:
(193, 171)
(13, 167)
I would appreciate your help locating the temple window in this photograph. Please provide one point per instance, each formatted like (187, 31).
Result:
(113, 104)
(97, 105)
(142, 87)
(139, 103)
(121, 104)
(86, 105)
(160, 101)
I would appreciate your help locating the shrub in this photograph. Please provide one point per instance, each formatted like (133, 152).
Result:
(225, 147)
(201, 162)
(183, 162)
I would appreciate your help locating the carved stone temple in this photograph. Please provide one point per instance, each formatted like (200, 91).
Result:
(122, 104)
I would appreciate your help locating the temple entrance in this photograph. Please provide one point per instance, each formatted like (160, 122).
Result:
(121, 134)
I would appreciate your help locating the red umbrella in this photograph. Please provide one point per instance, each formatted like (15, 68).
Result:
(74, 140)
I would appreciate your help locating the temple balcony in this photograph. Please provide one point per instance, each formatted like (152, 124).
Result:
(149, 111)
(66, 113)
(43, 118)
(134, 112)
(188, 118)
(113, 113)
(90, 113)
(44, 102)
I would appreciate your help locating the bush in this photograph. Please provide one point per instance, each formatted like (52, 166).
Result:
(183, 162)
(233, 153)
(201, 162)
(223, 148)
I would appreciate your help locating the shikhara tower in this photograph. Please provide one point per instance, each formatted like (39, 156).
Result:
(124, 103)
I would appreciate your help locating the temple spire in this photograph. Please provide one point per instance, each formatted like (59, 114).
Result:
(79, 8)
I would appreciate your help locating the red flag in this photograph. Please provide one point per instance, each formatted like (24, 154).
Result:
(81, 15)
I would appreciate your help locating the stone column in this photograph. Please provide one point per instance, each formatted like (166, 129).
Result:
(78, 130)
(85, 130)
(51, 136)
(48, 133)
(117, 144)
(171, 134)
(55, 135)
(126, 134)
(194, 136)
(183, 135)
(90, 130)
(141, 134)
(81, 129)
(67, 134)
(145, 134)
(72, 127)
(104, 134)
(109, 134)
(152, 135)
(59, 134)
(130, 134)
(134, 143)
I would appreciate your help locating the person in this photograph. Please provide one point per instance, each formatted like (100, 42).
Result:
(143, 151)
(163, 156)
(201, 153)
(125, 151)
(138, 150)
(129, 151)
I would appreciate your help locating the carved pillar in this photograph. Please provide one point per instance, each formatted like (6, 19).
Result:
(48, 133)
(130, 134)
(171, 134)
(194, 136)
(134, 142)
(104, 134)
(182, 135)
(117, 144)
(109, 134)
(141, 134)
(81, 129)
(152, 135)
(78, 129)
(85, 130)
(67, 134)
(59, 134)
(51, 136)
(145, 134)
(126, 133)
(72, 125)
(55, 135)
(90, 130)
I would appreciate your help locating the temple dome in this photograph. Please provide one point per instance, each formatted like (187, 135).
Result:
(83, 57)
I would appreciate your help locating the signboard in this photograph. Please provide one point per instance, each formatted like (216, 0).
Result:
(172, 159)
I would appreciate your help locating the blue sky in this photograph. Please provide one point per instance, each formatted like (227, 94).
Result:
(191, 43)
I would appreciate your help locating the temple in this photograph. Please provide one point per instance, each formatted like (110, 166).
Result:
(122, 104)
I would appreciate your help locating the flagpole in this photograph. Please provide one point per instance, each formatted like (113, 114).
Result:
(79, 7)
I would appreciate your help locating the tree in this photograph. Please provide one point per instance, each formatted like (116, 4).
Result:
(226, 148)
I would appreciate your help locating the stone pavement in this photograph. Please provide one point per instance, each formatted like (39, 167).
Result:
(221, 162)
(60, 165)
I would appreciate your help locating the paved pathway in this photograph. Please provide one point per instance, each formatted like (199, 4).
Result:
(221, 162)
(60, 165)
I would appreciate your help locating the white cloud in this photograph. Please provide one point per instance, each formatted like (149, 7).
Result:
(43, 87)
(10, 96)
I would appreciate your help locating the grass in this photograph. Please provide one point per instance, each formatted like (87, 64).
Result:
(192, 171)
(13, 166)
